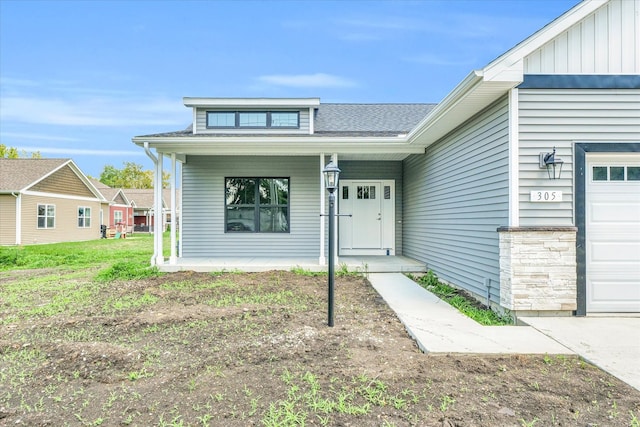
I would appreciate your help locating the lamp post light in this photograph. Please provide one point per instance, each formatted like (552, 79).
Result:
(331, 173)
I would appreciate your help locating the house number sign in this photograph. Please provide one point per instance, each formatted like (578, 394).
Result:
(546, 196)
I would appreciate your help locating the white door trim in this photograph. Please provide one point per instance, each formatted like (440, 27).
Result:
(385, 214)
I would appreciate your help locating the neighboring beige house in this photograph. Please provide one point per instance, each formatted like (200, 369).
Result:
(47, 201)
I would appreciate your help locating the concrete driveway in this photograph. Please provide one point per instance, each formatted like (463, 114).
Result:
(611, 343)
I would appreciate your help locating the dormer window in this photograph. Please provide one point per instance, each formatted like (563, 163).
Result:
(253, 119)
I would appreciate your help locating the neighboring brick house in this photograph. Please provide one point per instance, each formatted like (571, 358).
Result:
(47, 201)
(142, 206)
(120, 216)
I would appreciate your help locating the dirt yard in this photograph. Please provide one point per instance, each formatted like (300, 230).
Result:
(191, 349)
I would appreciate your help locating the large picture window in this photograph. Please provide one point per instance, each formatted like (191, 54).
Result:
(84, 217)
(46, 216)
(257, 205)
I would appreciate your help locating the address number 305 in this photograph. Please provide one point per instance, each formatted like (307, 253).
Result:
(546, 196)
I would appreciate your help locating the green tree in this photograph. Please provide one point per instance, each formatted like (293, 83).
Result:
(13, 153)
(132, 175)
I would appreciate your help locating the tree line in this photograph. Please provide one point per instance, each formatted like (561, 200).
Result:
(131, 175)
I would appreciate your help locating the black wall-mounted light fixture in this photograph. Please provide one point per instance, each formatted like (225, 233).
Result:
(552, 163)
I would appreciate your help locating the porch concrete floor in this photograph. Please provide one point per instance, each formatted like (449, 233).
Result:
(369, 264)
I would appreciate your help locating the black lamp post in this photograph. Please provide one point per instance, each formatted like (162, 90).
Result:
(331, 173)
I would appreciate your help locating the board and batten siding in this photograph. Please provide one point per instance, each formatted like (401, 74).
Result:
(606, 42)
(203, 192)
(379, 170)
(201, 122)
(559, 118)
(456, 195)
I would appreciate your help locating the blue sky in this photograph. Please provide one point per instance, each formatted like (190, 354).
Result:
(79, 79)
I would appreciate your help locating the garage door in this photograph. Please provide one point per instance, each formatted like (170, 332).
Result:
(613, 233)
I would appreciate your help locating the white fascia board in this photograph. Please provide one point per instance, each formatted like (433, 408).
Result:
(251, 102)
(278, 147)
(495, 79)
(64, 196)
(507, 65)
(43, 177)
(87, 181)
(454, 97)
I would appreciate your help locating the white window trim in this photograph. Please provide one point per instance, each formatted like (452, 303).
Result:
(84, 217)
(46, 210)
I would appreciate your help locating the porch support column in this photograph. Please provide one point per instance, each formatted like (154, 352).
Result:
(158, 215)
(173, 257)
(334, 158)
(322, 259)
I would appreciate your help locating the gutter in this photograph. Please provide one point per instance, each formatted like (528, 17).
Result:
(154, 159)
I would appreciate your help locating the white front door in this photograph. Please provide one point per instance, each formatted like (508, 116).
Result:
(370, 228)
(613, 233)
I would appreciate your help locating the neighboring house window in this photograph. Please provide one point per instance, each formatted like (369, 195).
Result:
(46, 216)
(258, 205)
(117, 216)
(84, 217)
(253, 119)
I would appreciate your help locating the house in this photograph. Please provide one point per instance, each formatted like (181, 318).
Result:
(143, 207)
(47, 201)
(521, 186)
(120, 209)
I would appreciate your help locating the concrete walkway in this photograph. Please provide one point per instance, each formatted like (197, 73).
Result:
(439, 328)
(610, 343)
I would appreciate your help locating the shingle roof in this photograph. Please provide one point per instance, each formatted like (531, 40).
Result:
(354, 118)
(143, 197)
(344, 120)
(16, 174)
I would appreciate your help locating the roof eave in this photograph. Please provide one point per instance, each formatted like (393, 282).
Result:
(278, 146)
(482, 87)
(251, 102)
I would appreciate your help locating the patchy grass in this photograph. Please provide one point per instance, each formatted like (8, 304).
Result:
(232, 349)
(462, 301)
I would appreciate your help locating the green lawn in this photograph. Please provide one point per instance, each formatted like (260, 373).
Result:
(137, 248)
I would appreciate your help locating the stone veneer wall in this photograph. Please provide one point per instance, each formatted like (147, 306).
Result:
(538, 268)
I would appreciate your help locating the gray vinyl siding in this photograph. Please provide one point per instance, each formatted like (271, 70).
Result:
(455, 198)
(201, 122)
(203, 232)
(379, 170)
(559, 118)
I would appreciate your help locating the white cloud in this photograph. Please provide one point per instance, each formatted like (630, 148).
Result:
(432, 59)
(38, 136)
(82, 151)
(100, 111)
(307, 80)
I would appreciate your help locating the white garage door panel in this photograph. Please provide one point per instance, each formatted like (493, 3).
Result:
(613, 238)
(624, 213)
(615, 252)
(623, 294)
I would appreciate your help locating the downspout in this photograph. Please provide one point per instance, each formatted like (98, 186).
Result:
(18, 217)
(154, 159)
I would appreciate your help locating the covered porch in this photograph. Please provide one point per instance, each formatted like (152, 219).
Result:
(353, 263)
